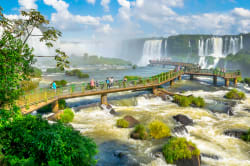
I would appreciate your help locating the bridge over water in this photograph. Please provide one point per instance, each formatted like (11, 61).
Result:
(34, 100)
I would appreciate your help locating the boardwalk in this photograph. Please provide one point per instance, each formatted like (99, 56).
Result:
(167, 62)
(39, 98)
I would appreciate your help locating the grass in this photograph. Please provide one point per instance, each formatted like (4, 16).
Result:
(179, 148)
(141, 131)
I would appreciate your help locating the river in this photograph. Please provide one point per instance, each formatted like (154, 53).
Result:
(207, 132)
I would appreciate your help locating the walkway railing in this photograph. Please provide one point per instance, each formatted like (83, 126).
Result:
(37, 96)
(231, 74)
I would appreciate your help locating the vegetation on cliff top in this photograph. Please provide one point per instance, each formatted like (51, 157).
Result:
(78, 73)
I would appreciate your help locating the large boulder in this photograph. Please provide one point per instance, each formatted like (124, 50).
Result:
(211, 156)
(131, 120)
(183, 119)
(237, 133)
(194, 161)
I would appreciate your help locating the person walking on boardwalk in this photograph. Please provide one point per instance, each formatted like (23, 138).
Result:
(108, 83)
(111, 81)
(54, 86)
(92, 83)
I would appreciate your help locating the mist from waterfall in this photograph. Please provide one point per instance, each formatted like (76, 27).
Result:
(215, 48)
(152, 49)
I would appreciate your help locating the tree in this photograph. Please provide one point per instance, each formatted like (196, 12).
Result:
(16, 57)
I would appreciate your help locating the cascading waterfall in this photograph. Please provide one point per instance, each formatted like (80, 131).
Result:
(211, 50)
(151, 50)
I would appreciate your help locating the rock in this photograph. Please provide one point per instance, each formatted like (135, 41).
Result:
(159, 155)
(194, 161)
(112, 111)
(180, 130)
(230, 111)
(247, 109)
(131, 120)
(211, 156)
(120, 154)
(109, 106)
(237, 133)
(183, 119)
(135, 135)
(163, 97)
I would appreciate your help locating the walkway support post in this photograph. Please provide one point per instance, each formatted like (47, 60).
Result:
(171, 82)
(55, 107)
(235, 82)
(104, 99)
(191, 76)
(154, 90)
(179, 77)
(215, 80)
(227, 82)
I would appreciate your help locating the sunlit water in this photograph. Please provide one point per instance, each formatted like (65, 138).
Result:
(207, 132)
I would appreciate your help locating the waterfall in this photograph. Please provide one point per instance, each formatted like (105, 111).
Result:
(211, 50)
(166, 47)
(241, 42)
(151, 50)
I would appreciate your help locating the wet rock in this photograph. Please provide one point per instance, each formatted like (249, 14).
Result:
(180, 130)
(163, 97)
(126, 158)
(211, 156)
(113, 112)
(247, 109)
(237, 133)
(158, 155)
(120, 154)
(183, 119)
(109, 106)
(194, 161)
(131, 120)
(230, 111)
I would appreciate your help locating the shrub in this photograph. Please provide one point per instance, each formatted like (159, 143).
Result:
(122, 123)
(141, 131)
(67, 116)
(159, 130)
(235, 94)
(198, 101)
(179, 148)
(247, 81)
(54, 70)
(246, 137)
(61, 83)
(29, 85)
(30, 138)
(78, 73)
(37, 73)
(185, 101)
(62, 104)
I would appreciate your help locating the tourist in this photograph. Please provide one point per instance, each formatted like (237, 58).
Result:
(54, 86)
(108, 82)
(92, 83)
(97, 84)
(111, 81)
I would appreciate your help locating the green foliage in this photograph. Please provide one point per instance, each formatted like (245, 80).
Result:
(7, 115)
(131, 78)
(235, 94)
(159, 130)
(78, 73)
(61, 83)
(122, 123)
(198, 101)
(95, 60)
(15, 61)
(141, 130)
(62, 104)
(54, 70)
(134, 67)
(247, 81)
(246, 137)
(37, 73)
(185, 101)
(29, 85)
(242, 57)
(179, 148)
(29, 138)
(67, 116)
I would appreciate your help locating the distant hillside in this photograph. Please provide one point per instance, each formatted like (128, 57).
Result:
(96, 60)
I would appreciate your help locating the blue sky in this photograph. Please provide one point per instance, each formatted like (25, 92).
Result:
(93, 19)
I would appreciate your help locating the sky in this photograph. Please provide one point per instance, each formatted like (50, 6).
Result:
(96, 19)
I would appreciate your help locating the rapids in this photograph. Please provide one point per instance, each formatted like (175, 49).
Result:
(206, 133)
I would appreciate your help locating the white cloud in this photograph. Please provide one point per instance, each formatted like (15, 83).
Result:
(106, 29)
(124, 3)
(27, 4)
(105, 4)
(91, 1)
(241, 12)
(108, 18)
